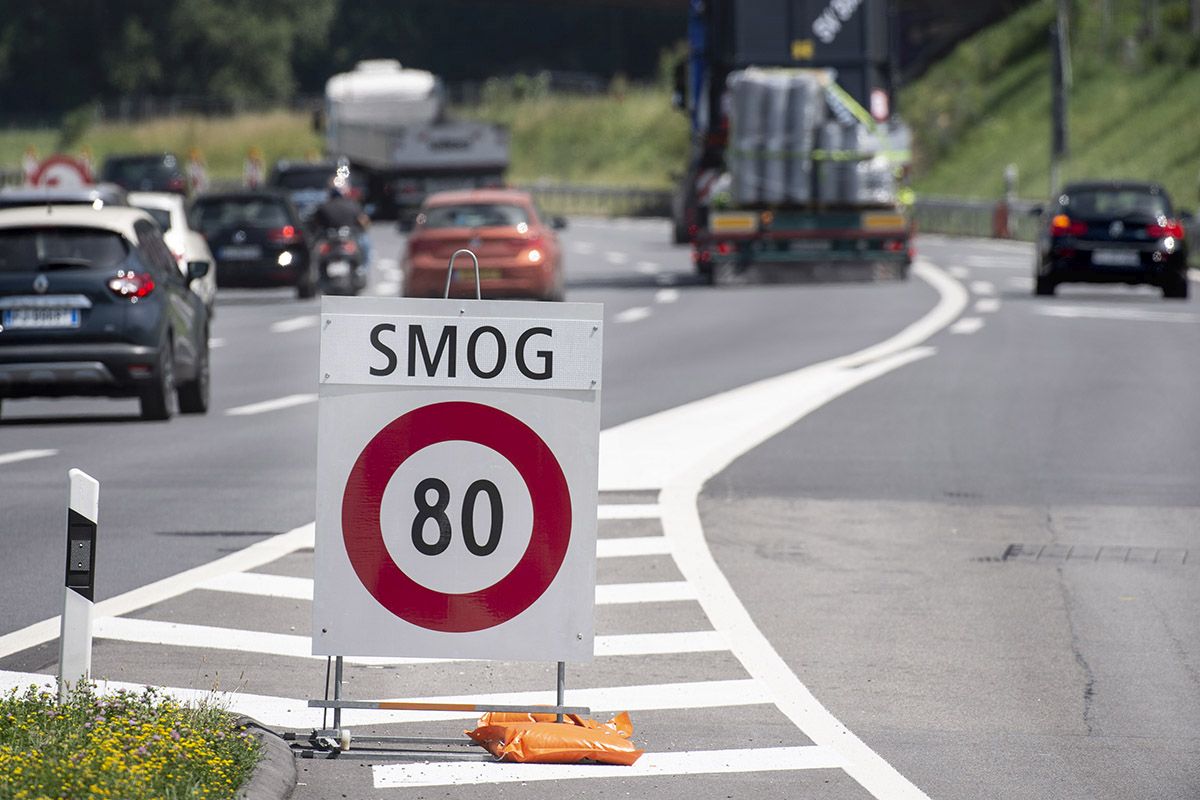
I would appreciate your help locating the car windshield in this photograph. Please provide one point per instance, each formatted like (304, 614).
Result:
(161, 215)
(1115, 204)
(29, 249)
(475, 215)
(315, 178)
(252, 212)
(138, 172)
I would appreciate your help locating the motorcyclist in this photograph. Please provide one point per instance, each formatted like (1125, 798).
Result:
(341, 211)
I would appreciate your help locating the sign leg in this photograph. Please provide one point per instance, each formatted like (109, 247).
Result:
(562, 687)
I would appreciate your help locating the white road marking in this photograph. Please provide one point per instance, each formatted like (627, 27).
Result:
(272, 405)
(1106, 312)
(1015, 261)
(262, 584)
(387, 289)
(583, 248)
(666, 295)
(1021, 282)
(25, 455)
(1194, 274)
(295, 324)
(678, 451)
(984, 288)
(694, 762)
(388, 266)
(648, 268)
(615, 257)
(248, 558)
(628, 511)
(632, 314)
(215, 343)
(967, 325)
(962, 273)
(290, 645)
(987, 305)
(294, 713)
(626, 546)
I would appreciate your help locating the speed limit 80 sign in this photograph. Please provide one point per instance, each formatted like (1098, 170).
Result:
(457, 452)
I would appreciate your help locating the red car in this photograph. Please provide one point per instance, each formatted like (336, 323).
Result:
(519, 254)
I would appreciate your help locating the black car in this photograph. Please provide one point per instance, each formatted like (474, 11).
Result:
(97, 196)
(146, 172)
(1112, 232)
(257, 239)
(93, 303)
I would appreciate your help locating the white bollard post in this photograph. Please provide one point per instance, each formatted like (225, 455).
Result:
(75, 636)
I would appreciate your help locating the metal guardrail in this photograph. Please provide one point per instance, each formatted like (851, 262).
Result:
(971, 217)
(566, 199)
(11, 177)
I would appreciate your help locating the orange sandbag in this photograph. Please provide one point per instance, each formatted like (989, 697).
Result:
(621, 723)
(555, 743)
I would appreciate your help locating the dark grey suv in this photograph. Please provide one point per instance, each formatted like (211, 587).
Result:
(93, 303)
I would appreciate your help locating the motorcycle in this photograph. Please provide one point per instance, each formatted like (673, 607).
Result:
(341, 262)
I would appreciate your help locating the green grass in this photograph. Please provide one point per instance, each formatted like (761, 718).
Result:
(1132, 107)
(123, 745)
(628, 138)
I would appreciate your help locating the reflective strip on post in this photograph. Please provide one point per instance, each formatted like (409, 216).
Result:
(75, 637)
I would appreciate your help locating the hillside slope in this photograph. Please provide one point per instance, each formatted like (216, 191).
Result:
(1133, 105)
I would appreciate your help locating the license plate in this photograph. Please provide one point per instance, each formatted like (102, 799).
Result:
(806, 245)
(338, 269)
(41, 318)
(484, 274)
(1116, 258)
(245, 252)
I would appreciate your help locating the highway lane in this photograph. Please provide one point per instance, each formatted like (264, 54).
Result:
(815, 528)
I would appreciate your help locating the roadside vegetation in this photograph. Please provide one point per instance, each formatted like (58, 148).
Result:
(124, 745)
(1131, 108)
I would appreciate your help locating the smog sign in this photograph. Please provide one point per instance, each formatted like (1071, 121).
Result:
(456, 481)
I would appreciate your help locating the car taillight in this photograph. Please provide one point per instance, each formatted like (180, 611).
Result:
(1062, 225)
(350, 247)
(175, 185)
(324, 248)
(724, 248)
(1165, 228)
(284, 235)
(130, 284)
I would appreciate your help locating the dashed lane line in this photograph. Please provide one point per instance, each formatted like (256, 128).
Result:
(289, 712)
(666, 295)
(692, 762)
(648, 268)
(25, 455)
(615, 257)
(987, 305)
(277, 404)
(967, 326)
(635, 314)
(962, 273)
(216, 343)
(583, 248)
(627, 546)
(984, 288)
(1120, 314)
(295, 324)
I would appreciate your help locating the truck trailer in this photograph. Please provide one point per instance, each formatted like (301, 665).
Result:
(797, 164)
(390, 123)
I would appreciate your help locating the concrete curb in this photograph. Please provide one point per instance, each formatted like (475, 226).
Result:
(275, 776)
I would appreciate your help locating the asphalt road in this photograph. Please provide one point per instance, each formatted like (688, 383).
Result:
(981, 559)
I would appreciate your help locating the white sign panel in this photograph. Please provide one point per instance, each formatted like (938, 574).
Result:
(456, 480)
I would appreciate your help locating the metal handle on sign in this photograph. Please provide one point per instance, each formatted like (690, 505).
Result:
(450, 273)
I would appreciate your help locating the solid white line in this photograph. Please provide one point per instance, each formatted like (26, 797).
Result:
(295, 324)
(666, 295)
(25, 455)
(632, 314)
(727, 426)
(616, 258)
(629, 511)
(262, 584)
(693, 762)
(289, 645)
(1121, 314)
(967, 325)
(983, 287)
(987, 305)
(648, 267)
(632, 546)
(272, 405)
(294, 713)
(1014, 261)
(248, 558)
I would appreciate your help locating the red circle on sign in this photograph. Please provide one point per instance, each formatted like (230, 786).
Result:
(363, 534)
(61, 161)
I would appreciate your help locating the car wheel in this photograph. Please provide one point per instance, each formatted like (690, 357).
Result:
(1044, 287)
(193, 395)
(306, 288)
(1176, 288)
(158, 401)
